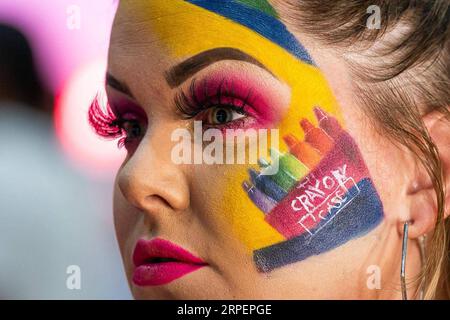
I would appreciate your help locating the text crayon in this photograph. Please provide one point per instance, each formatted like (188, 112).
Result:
(267, 186)
(263, 202)
(332, 234)
(302, 151)
(328, 123)
(316, 137)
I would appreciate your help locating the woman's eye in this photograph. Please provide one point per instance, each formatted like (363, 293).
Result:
(132, 129)
(222, 115)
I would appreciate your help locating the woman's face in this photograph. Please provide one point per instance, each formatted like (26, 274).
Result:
(192, 220)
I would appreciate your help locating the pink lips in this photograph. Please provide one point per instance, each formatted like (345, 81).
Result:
(158, 262)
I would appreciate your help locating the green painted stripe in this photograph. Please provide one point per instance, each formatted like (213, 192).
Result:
(261, 5)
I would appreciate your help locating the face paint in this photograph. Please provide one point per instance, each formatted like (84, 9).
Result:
(257, 20)
(316, 137)
(322, 196)
(302, 150)
(261, 200)
(289, 169)
(267, 185)
(326, 208)
(236, 90)
(289, 164)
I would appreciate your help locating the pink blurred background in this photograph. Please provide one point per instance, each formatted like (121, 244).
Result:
(59, 50)
(70, 40)
(56, 175)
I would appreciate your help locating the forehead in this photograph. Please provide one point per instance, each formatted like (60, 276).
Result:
(186, 27)
(258, 16)
(165, 32)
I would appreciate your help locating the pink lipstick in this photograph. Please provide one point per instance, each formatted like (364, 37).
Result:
(158, 262)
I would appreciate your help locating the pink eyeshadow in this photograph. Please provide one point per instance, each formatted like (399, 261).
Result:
(260, 99)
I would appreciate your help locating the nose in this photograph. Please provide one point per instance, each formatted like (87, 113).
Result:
(150, 181)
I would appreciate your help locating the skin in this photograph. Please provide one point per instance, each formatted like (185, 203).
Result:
(197, 207)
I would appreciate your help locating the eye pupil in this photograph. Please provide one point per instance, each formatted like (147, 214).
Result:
(132, 129)
(135, 130)
(222, 116)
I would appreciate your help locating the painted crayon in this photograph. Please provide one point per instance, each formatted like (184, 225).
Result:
(302, 151)
(316, 137)
(362, 215)
(306, 205)
(290, 170)
(267, 186)
(333, 128)
(289, 164)
(284, 179)
(328, 123)
(263, 163)
(263, 202)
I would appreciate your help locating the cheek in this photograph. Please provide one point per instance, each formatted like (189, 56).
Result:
(320, 197)
(124, 222)
(247, 220)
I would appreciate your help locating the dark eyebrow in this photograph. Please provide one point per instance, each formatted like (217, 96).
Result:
(183, 71)
(116, 84)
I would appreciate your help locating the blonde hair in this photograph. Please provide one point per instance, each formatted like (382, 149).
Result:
(406, 65)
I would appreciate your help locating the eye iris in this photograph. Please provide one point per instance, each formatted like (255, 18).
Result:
(133, 129)
(221, 116)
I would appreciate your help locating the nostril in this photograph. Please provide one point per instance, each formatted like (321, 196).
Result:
(150, 185)
(157, 199)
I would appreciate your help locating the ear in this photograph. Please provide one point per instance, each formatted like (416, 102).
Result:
(423, 205)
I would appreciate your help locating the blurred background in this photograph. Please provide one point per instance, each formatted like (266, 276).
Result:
(56, 229)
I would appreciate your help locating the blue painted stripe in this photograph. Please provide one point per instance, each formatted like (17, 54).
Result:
(264, 24)
(362, 215)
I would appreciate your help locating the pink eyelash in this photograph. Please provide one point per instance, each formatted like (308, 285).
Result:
(103, 120)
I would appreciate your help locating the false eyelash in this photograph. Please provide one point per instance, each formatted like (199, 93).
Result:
(192, 105)
(104, 122)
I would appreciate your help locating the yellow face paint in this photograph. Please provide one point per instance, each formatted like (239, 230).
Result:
(185, 30)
